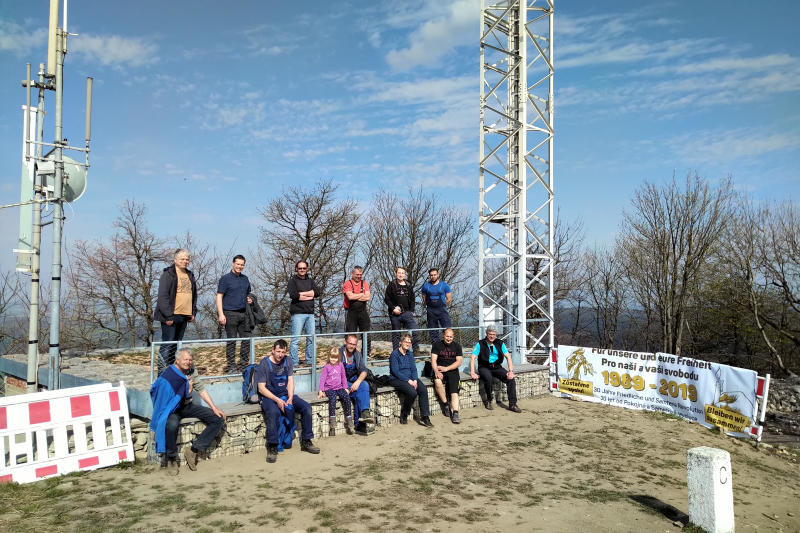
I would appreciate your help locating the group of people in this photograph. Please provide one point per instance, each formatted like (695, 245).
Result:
(344, 376)
(238, 311)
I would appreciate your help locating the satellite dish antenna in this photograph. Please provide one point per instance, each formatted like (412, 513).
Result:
(74, 177)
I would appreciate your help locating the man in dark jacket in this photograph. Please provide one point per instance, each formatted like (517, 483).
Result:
(302, 290)
(399, 299)
(490, 353)
(176, 305)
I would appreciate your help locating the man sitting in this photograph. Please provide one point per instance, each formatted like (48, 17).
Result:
(356, 372)
(446, 360)
(172, 400)
(490, 353)
(274, 376)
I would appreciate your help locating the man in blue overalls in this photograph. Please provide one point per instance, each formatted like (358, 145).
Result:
(436, 296)
(276, 389)
(356, 372)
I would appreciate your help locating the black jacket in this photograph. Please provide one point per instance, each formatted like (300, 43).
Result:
(294, 288)
(167, 288)
(254, 315)
(391, 297)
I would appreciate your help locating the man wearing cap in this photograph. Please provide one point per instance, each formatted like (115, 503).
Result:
(489, 353)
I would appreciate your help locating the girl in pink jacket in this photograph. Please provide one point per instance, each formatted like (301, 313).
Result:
(333, 384)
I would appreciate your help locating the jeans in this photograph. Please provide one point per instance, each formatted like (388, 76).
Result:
(272, 416)
(236, 327)
(192, 410)
(486, 374)
(404, 320)
(300, 322)
(410, 394)
(166, 352)
(438, 317)
(361, 399)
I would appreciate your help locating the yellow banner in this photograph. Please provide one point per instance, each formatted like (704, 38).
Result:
(576, 386)
(726, 418)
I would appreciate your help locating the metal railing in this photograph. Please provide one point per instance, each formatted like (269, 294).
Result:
(226, 359)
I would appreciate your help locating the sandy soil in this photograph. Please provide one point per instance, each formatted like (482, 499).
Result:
(559, 466)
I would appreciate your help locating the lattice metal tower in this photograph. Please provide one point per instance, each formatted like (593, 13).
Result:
(516, 220)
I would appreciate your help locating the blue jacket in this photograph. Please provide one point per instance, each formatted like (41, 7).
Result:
(168, 391)
(403, 366)
(286, 426)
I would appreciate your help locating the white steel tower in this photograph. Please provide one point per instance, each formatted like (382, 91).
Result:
(515, 227)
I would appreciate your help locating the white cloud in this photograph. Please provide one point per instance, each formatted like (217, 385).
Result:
(18, 39)
(436, 37)
(725, 147)
(115, 50)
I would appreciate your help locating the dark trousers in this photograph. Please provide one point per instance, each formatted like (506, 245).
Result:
(166, 352)
(191, 410)
(404, 320)
(438, 317)
(358, 320)
(410, 394)
(340, 394)
(236, 327)
(272, 416)
(486, 374)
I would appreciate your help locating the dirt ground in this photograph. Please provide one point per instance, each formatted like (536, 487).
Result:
(559, 466)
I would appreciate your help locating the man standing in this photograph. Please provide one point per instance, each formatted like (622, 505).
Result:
(356, 302)
(404, 378)
(436, 296)
(446, 357)
(275, 379)
(356, 372)
(176, 305)
(399, 299)
(232, 291)
(490, 353)
(172, 400)
(302, 290)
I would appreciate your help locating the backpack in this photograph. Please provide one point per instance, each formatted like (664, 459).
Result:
(249, 385)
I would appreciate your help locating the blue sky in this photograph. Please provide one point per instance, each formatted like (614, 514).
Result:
(203, 110)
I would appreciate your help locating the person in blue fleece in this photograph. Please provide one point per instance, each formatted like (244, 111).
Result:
(404, 378)
(172, 400)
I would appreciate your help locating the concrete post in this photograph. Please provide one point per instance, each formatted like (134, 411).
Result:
(710, 481)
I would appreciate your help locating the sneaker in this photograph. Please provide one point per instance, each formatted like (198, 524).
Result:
(488, 404)
(514, 409)
(426, 421)
(308, 446)
(446, 410)
(191, 458)
(272, 453)
(454, 418)
(404, 419)
(366, 416)
(173, 466)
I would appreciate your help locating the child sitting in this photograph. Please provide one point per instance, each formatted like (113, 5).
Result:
(333, 383)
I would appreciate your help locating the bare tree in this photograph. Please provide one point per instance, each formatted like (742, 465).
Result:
(116, 282)
(312, 225)
(417, 232)
(12, 335)
(606, 287)
(676, 229)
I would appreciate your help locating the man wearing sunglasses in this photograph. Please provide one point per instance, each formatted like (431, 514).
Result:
(302, 290)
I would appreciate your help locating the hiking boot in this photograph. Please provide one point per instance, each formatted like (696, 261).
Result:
(366, 416)
(488, 405)
(332, 432)
(272, 453)
(173, 466)
(191, 458)
(308, 446)
(454, 418)
(404, 419)
(332, 426)
(426, 421)
(514, 409)
(348, 425)
(446, 410)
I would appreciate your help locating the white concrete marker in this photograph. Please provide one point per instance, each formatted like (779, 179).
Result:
(708, 474)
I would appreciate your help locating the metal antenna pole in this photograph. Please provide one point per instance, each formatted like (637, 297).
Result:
(54, 380)
(516, 224)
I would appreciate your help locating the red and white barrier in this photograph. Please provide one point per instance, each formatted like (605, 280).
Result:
(73, 421)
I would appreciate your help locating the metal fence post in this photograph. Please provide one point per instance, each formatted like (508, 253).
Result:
(252, 351)
(152, 362)
(313, 340)
(364, 345)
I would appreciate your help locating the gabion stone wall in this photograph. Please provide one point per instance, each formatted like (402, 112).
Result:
(244, 430)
